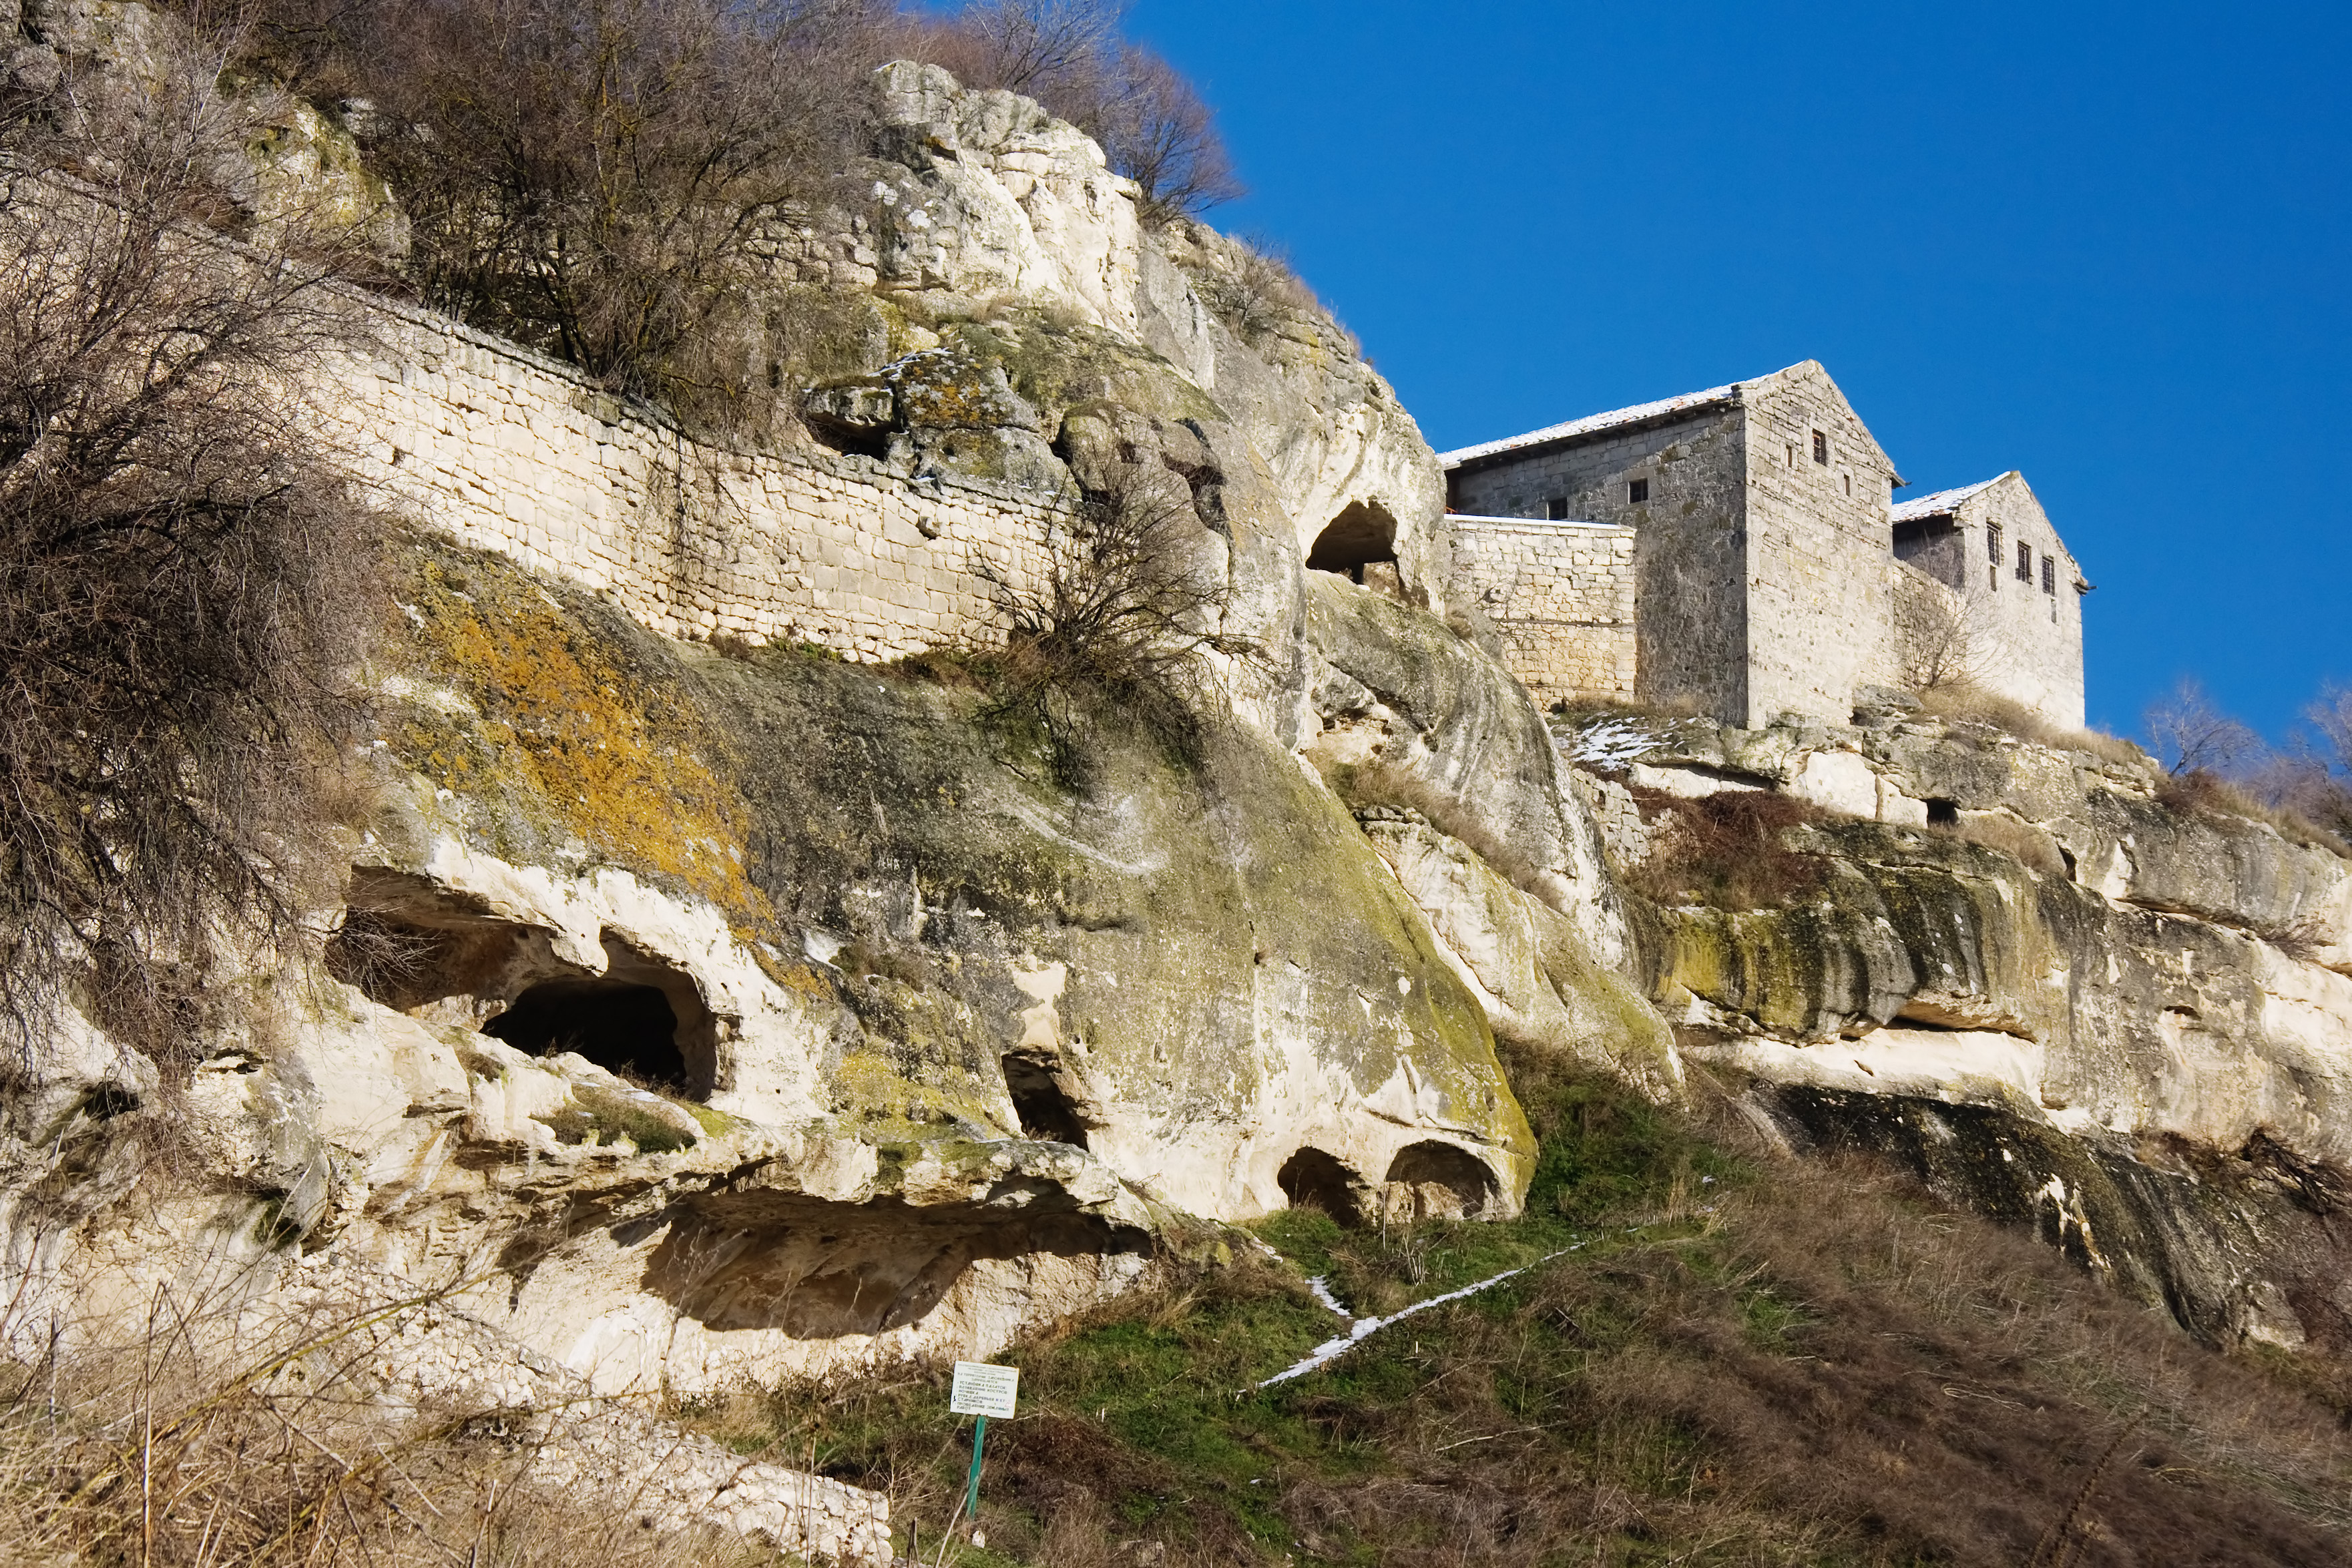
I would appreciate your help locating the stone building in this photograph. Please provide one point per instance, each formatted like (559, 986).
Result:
(1735, 550)
(2012, 619)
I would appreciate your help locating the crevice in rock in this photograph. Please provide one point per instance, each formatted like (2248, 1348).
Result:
(642, 1019)
(1043, 1102)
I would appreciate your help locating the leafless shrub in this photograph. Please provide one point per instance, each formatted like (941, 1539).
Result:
(1950, 641)
(1257, 295)
(1729, 851)
(602, 181)
(1127, 602)
(2188, 734)
(1068, 55)
(181, 559)
(207, 1433)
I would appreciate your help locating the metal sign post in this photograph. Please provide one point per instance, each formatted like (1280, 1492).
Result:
(981, 1391)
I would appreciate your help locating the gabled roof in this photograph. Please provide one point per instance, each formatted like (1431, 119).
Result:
(1643, 413)
(1943, 503)
(1687, 402)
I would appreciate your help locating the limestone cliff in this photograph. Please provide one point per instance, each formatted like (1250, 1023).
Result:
(724, 982)
(2065, 992)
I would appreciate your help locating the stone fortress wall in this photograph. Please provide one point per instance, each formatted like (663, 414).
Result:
(1691, 636)
(1569, 587)
(506, 451)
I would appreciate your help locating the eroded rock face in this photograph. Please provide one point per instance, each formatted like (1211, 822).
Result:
(2143, 998)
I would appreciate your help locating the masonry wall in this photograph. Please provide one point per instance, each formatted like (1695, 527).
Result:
(2025, 643)
(1690, 636)
(1818, 552)
(1561, 597)
(508, 451)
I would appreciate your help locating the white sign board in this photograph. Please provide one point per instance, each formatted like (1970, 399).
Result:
(983, 1390)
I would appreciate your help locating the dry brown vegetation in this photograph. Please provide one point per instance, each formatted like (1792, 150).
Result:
(1128, 603)
(1729, 849)
(202, 1436)
(607, 182)
(1963, 702)
(181, 563)
(1742, 1359)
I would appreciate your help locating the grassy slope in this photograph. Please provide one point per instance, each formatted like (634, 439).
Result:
(1744, 1360)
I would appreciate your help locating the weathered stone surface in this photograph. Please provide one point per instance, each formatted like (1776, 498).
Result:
(2124, 986)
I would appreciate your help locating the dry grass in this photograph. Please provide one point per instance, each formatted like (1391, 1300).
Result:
(2203, 792)
(1779, 1363)
(1962, 703)
(202, 1434)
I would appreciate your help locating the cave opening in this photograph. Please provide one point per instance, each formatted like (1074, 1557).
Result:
(1359, 545)
(1313, 1179)
(624, 1028)
(1047, 1110)
(1433, 1180)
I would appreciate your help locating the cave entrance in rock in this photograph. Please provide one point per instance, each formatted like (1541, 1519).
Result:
(641, 1019)
(1313, 1179)
(1360, 539)
(1047, 1111)
(1432, 1180)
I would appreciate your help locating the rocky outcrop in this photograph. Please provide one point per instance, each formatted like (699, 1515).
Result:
(2133, 997)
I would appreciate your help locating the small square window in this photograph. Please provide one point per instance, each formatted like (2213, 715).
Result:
(1556, 509)
(1637, 492)
(2049, 575)
(1821, 449)
(2025, 561)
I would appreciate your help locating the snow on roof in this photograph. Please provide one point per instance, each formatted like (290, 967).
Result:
(1592, 422)
(1943, 502)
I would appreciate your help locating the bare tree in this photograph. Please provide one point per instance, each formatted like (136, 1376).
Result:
(1068, 55)
(1125, 601)
(2189, 735)
(1156, 130)
(1042, 48)
(177, 556)
(601, 179)
(1950, 637)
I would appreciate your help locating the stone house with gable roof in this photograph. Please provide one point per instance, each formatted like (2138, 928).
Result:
(1734, 550)
(2013, 621)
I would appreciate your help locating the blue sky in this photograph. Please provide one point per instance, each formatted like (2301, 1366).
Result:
(2108, 246)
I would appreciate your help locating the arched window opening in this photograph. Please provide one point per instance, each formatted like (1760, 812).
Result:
(641, 1019)
(1437, 1181)
(1313, 1179)
(1359, 545)
(1047, 1111)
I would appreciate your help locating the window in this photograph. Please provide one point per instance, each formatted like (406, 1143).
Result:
(1992, 543)
(2025, 561)
(1556, 509)
(1993, 578)
(2049, 576)
(1849, 484)
(1637, 492)
(1821, 449)
(1793, 454)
